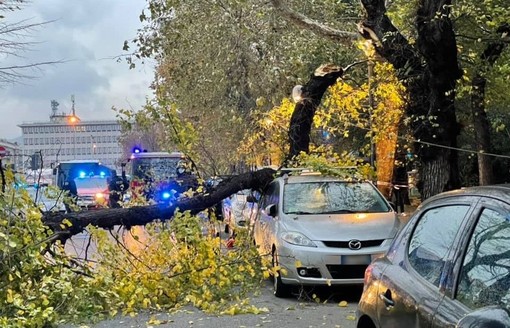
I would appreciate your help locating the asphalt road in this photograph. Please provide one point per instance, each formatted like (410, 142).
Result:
(298, 311)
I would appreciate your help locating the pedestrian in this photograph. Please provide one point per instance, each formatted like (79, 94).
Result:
(400, 185)
(69, 186)
(117, 187)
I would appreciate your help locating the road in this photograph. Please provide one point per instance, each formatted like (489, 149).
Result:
(283, 313)
(299, 311)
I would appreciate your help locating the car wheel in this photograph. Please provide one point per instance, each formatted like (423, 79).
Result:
(279, 288)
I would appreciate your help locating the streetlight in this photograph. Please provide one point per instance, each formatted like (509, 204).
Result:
(73, 120)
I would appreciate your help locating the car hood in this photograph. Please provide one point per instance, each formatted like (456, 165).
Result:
(343, 227)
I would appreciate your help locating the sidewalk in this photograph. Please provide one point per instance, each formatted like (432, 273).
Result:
(408, 212)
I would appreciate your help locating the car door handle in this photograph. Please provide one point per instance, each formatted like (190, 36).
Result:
(388, 302)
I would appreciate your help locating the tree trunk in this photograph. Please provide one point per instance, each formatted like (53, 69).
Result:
(309, 98)
(109, 217)
(429, 74)
(480, 120)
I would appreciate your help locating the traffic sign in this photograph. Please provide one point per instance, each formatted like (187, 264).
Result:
(3, 151)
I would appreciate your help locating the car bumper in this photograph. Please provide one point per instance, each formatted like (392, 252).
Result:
(326, 265)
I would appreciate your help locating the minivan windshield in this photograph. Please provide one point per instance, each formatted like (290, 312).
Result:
(91, 183)
(332, 197)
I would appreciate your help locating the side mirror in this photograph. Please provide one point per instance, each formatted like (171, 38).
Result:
(271, 210)
(488, 317)
(251, 199)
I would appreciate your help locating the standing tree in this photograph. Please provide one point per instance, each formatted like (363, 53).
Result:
(13, 44)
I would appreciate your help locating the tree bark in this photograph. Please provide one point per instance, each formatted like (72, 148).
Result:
(429, 73)
(480, 120)
(309, 99)
(141, 215)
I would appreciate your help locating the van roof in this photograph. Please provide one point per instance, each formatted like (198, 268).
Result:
(164, 154)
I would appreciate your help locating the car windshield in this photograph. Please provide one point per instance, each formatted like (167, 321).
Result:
(91, 183)
(332, 197)
(156, 168)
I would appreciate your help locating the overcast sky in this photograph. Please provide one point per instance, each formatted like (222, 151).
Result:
(87, 34)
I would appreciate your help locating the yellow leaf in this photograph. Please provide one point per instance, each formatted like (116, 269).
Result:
(351, 317)
(343, 304)
(154, 321)
(10, 299)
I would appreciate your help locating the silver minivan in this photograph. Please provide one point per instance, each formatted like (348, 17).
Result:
(321, 230)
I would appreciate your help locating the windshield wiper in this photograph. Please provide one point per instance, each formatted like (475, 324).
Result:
(342, 211)
(299, 212)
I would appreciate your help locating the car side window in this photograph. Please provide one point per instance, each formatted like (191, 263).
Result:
(485, 273)
(271, 195)
(432, 238)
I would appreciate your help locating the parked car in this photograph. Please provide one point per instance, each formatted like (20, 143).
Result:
(322, 230)
(45, 199)
(448, 267)
(239, 210)
(92, 191)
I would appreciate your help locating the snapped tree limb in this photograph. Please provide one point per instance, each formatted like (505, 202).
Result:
(141, 215)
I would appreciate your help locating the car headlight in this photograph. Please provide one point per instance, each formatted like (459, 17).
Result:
(99, 195)
(297, 238)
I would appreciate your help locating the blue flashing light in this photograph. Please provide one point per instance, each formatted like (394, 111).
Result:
(81, 174)
(166, 195)
(136, 150)
(102, 174)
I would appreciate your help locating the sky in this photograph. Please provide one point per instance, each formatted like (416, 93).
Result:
(87, 35)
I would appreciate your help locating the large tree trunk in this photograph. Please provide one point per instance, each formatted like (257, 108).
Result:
(480, 120)
(308, 99)
(141, 215)
(429, 74)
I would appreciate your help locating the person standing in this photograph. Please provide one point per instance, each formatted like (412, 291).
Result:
(400, 186)
(69, 186)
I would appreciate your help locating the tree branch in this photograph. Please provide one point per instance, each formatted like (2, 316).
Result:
(314, 26)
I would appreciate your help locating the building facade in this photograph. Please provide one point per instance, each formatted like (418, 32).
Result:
(13, 157)
(66, 137)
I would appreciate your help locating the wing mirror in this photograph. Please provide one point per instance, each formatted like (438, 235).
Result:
(251, 199)
(272, 210)
(488, 317)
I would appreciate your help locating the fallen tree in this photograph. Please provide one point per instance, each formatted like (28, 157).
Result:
(310, 97)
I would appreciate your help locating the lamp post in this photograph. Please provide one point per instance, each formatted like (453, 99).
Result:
(73, 120)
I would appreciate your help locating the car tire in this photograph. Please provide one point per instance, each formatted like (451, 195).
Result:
(280, 290)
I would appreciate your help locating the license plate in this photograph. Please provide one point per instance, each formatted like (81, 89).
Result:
(355, 259)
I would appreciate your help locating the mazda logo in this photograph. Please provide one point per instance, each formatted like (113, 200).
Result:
(354, 244)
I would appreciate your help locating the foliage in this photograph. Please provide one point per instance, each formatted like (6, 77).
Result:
(217, 61)
(37, 284)
(374, 108)
(162, 267)
(174, 264)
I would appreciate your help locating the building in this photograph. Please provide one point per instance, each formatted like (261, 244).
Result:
(13, 157)
(66, 137)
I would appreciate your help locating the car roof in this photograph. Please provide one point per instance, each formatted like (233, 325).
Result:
(501, 191)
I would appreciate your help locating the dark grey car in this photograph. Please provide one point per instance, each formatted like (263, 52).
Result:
(448, 267)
